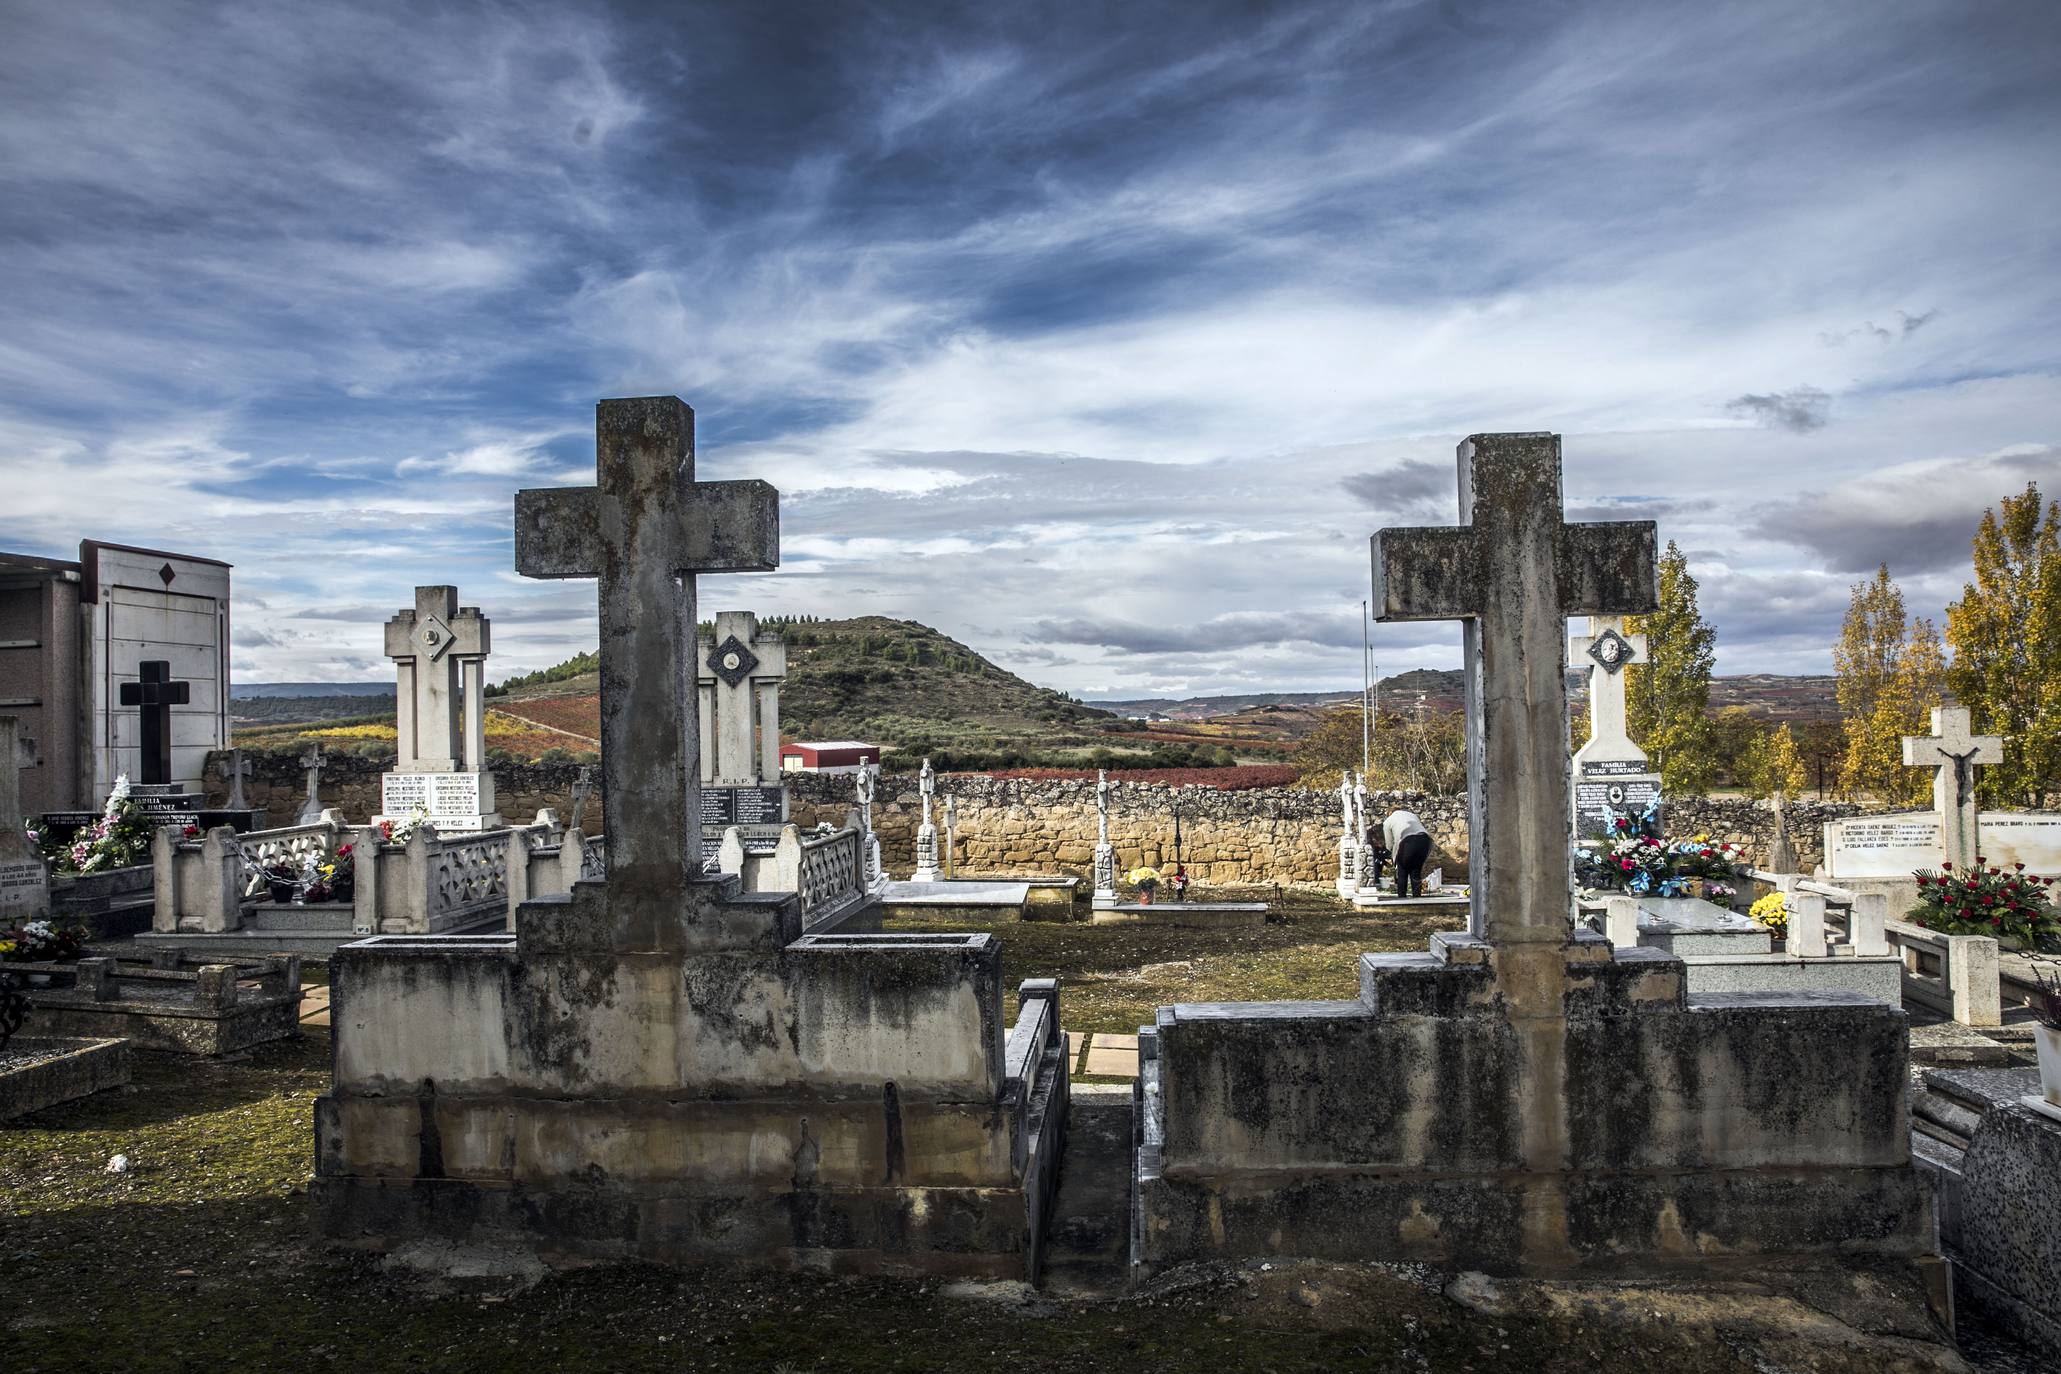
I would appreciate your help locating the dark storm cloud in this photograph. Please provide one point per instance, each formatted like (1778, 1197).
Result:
(1799, 410)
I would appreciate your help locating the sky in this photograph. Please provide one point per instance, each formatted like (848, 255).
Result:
(1100, 337)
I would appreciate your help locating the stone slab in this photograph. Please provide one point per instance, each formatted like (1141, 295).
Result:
(1107, 1057)
(2007, 1251)
(1948, 1043)
(1880, 977)
(1427, 904)
(1209, 915)
(80, 1068)
(957, 892)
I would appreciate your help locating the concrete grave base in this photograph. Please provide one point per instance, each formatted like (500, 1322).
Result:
(211, 1010)
(1636, 1130)
(1431, 904)
(609, 1084)
(59, 1069)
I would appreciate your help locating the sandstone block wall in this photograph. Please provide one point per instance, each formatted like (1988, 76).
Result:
(1018, 825)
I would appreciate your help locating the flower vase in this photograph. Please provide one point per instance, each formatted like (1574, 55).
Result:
(2047, 1041)
(281, 893)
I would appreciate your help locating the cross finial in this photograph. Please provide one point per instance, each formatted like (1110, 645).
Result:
(1512, 575)
(644, 531)
(1952, 751)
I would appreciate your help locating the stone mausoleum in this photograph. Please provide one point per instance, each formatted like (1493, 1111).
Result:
(75, 639)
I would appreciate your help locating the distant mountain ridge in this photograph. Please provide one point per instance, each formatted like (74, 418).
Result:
(258, 691)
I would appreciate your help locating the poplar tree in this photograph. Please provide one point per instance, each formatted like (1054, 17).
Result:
(1777, 766)
(1667, 698)
(1871, 641)
(2006, 636)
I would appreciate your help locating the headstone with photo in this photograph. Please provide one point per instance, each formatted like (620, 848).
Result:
(1610, 772)
(740, 667)
(24, 876)
(439, 650)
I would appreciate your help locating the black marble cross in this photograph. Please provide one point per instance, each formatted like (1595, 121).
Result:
(156, 694)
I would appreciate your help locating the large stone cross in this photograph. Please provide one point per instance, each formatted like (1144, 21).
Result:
(1952, 752)
(644, 532)
(431, 645)
(1513, 575)
(156, 694)
(1609, 651)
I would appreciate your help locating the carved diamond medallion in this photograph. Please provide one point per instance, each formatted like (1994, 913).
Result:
(434, 636)
(1611, 650)
(732, 661)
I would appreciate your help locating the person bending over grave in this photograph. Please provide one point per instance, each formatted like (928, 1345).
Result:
(1410, 843)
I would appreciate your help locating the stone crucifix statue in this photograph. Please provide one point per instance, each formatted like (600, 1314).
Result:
(926, 833)
(1366, 876)
(1348, 838)
(1952, 751)
(876, 872)
(313, 760)
(1105, 852)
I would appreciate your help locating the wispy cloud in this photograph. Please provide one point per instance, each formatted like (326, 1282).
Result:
(1099, 338)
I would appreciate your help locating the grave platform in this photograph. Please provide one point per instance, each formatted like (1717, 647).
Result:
(210, 1010)
(44, 1071)
(706, 1084)
(313, 931)
(1433, 1119)
(1207, 915)
(956, 899)
(1725, 952)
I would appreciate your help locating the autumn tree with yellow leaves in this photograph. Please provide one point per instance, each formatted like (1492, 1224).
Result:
(1892, 672)
(2006, 637)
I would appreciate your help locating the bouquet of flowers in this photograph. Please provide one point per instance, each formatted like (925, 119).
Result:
(393, 832)
(1772, 911)
(38, 940)
(119, 839)
(1987, 900)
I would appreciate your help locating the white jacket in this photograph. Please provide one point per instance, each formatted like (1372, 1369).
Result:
(1399, 826)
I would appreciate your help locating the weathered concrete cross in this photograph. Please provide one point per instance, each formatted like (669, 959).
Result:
(156, 693)
(644, 531)
(431, 645)
(234, 768)
(1953, 752)
(1513, 575)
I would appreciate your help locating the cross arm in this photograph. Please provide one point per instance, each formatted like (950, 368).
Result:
(558, 531)
(1426, 573)
(730, 527)
(1609, 567)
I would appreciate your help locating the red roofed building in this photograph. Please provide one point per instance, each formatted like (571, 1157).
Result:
(828, 756)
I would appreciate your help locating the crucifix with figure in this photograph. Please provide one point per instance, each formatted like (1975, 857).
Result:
(1952, 752)
(1513, 575)
(156, 694)
(644, 531)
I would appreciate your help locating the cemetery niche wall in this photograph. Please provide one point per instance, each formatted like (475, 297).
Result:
(74, 639)
(659, 1064)
(1522, 1098)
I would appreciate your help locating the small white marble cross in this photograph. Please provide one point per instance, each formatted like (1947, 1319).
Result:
(1952, 752)
(1512, 576)
(1606, 651)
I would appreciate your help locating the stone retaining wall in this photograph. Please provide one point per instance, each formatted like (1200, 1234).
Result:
(1018, 825)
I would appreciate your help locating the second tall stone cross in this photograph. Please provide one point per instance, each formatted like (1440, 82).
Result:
(1512, 576)
(644, 531)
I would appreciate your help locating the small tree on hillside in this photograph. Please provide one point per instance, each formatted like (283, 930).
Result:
(1667, 699)
(2006, 636)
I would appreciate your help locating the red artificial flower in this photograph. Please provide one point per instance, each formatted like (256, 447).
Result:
(190, 831)
(2019, 867)
(1947, 865)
